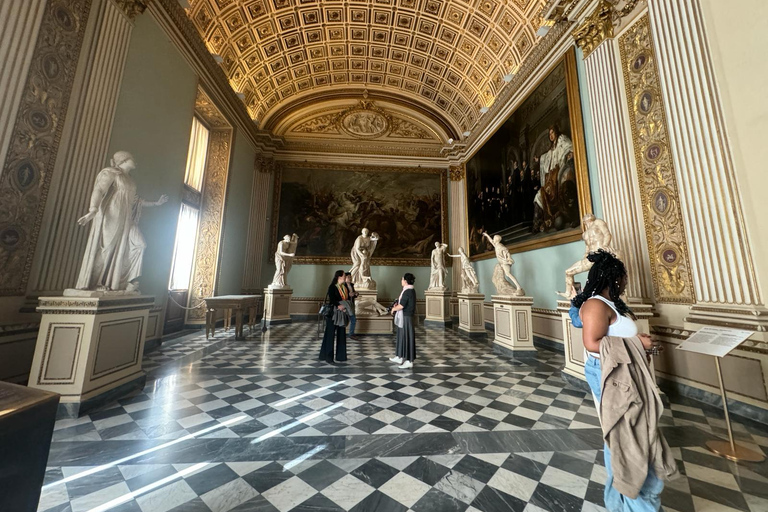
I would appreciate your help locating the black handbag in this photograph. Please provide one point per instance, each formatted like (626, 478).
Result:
(326, 309)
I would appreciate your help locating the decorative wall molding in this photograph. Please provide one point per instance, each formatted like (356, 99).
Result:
(31, 156)
(657, 172)
(204, 272)
(211, 115)
(457, 173)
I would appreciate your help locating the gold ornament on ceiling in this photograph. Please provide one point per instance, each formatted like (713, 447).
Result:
(447, 55)
(365, 120)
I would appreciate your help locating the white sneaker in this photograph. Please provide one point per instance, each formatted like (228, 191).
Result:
(406, 365)
(396, 360)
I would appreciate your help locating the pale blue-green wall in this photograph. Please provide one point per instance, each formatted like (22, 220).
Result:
(313, 280)
(153, 121)
(542, 272)
(236, 216)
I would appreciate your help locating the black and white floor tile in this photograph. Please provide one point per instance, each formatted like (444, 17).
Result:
(260, 425)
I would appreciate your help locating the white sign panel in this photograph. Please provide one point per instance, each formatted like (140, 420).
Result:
(715, 341)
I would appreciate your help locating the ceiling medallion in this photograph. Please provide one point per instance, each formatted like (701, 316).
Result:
(364, 121)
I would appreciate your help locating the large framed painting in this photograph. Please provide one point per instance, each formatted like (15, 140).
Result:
(529, 183)
(327, 206)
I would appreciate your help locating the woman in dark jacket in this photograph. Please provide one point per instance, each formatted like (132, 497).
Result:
(406, 336)
(337, 294)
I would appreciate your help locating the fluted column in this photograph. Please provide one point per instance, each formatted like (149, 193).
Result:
(458, 226)
(19, 25)
(257, 224)
(618, 182)
(723, 272)
(83, 150)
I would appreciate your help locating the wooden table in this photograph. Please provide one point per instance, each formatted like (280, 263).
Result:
(227, 303)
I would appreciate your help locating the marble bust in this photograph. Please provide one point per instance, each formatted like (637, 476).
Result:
(596, 236)
(469, 281)
(115, 248)
(286, 251)
(438, 273)
(362, 252)
(503, 269)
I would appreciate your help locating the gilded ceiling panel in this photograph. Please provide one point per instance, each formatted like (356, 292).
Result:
(451, 56)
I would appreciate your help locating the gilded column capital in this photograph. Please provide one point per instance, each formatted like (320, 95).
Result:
(132, 8)
(595, 29)
(456, 173)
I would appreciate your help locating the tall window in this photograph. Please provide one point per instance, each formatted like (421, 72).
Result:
(186, 231)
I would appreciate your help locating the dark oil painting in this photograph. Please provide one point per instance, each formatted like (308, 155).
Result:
(327, 209)
(523, 183)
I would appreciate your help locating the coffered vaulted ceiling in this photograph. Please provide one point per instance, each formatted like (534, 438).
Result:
(450, 56)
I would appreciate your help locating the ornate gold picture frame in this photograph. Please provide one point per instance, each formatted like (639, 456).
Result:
(529, 182)
(328, 205)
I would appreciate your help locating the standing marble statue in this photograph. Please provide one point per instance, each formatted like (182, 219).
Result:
(438, 272)
(596, 236)
(362, 252)
(286, 251)
(503, 269)
(115, 249)
(469, 281)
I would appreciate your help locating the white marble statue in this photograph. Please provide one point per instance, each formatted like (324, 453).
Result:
(362, 252)
(438, 272)
(503, 270)
(596, 236)
(286, 251)
(469, 281)
(113, 255)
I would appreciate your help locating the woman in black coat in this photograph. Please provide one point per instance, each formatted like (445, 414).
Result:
(337, 294)
(406, 335)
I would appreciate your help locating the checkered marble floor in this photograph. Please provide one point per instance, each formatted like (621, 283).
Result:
(260, 425)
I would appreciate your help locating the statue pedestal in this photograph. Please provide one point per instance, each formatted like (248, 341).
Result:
(438, 307)
(277, 305)
(471, 321)
(512, 325)
(368, 321)
(89, 349)
(573, 371)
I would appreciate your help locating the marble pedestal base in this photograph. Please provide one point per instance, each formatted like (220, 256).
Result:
(471, 319)
(277, 306)
(438, 307)
(368, 321)
(89, 349)
(513, 334)
(573, 371)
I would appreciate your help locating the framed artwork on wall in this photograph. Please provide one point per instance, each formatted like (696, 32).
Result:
(327, 206)
(529, 182)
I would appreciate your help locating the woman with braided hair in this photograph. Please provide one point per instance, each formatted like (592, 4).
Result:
(602, 314)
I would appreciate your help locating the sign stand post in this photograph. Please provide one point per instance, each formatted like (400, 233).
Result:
(718, 342)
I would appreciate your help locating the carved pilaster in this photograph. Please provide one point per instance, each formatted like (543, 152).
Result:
(83, 151)
(721, 255)
(257, 224)
(458, 224)
(457, 173)
(595, 29)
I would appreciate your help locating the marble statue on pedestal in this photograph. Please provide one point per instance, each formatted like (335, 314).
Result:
(286, 251)
(469, 281)
(115, 249)
(438, 272)
(362, 252)
(596, 236)
(503, 269)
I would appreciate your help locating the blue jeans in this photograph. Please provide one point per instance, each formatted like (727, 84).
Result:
(352, 322)
(649, 499)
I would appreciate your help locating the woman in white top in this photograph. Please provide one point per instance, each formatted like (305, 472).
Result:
(602, 314)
